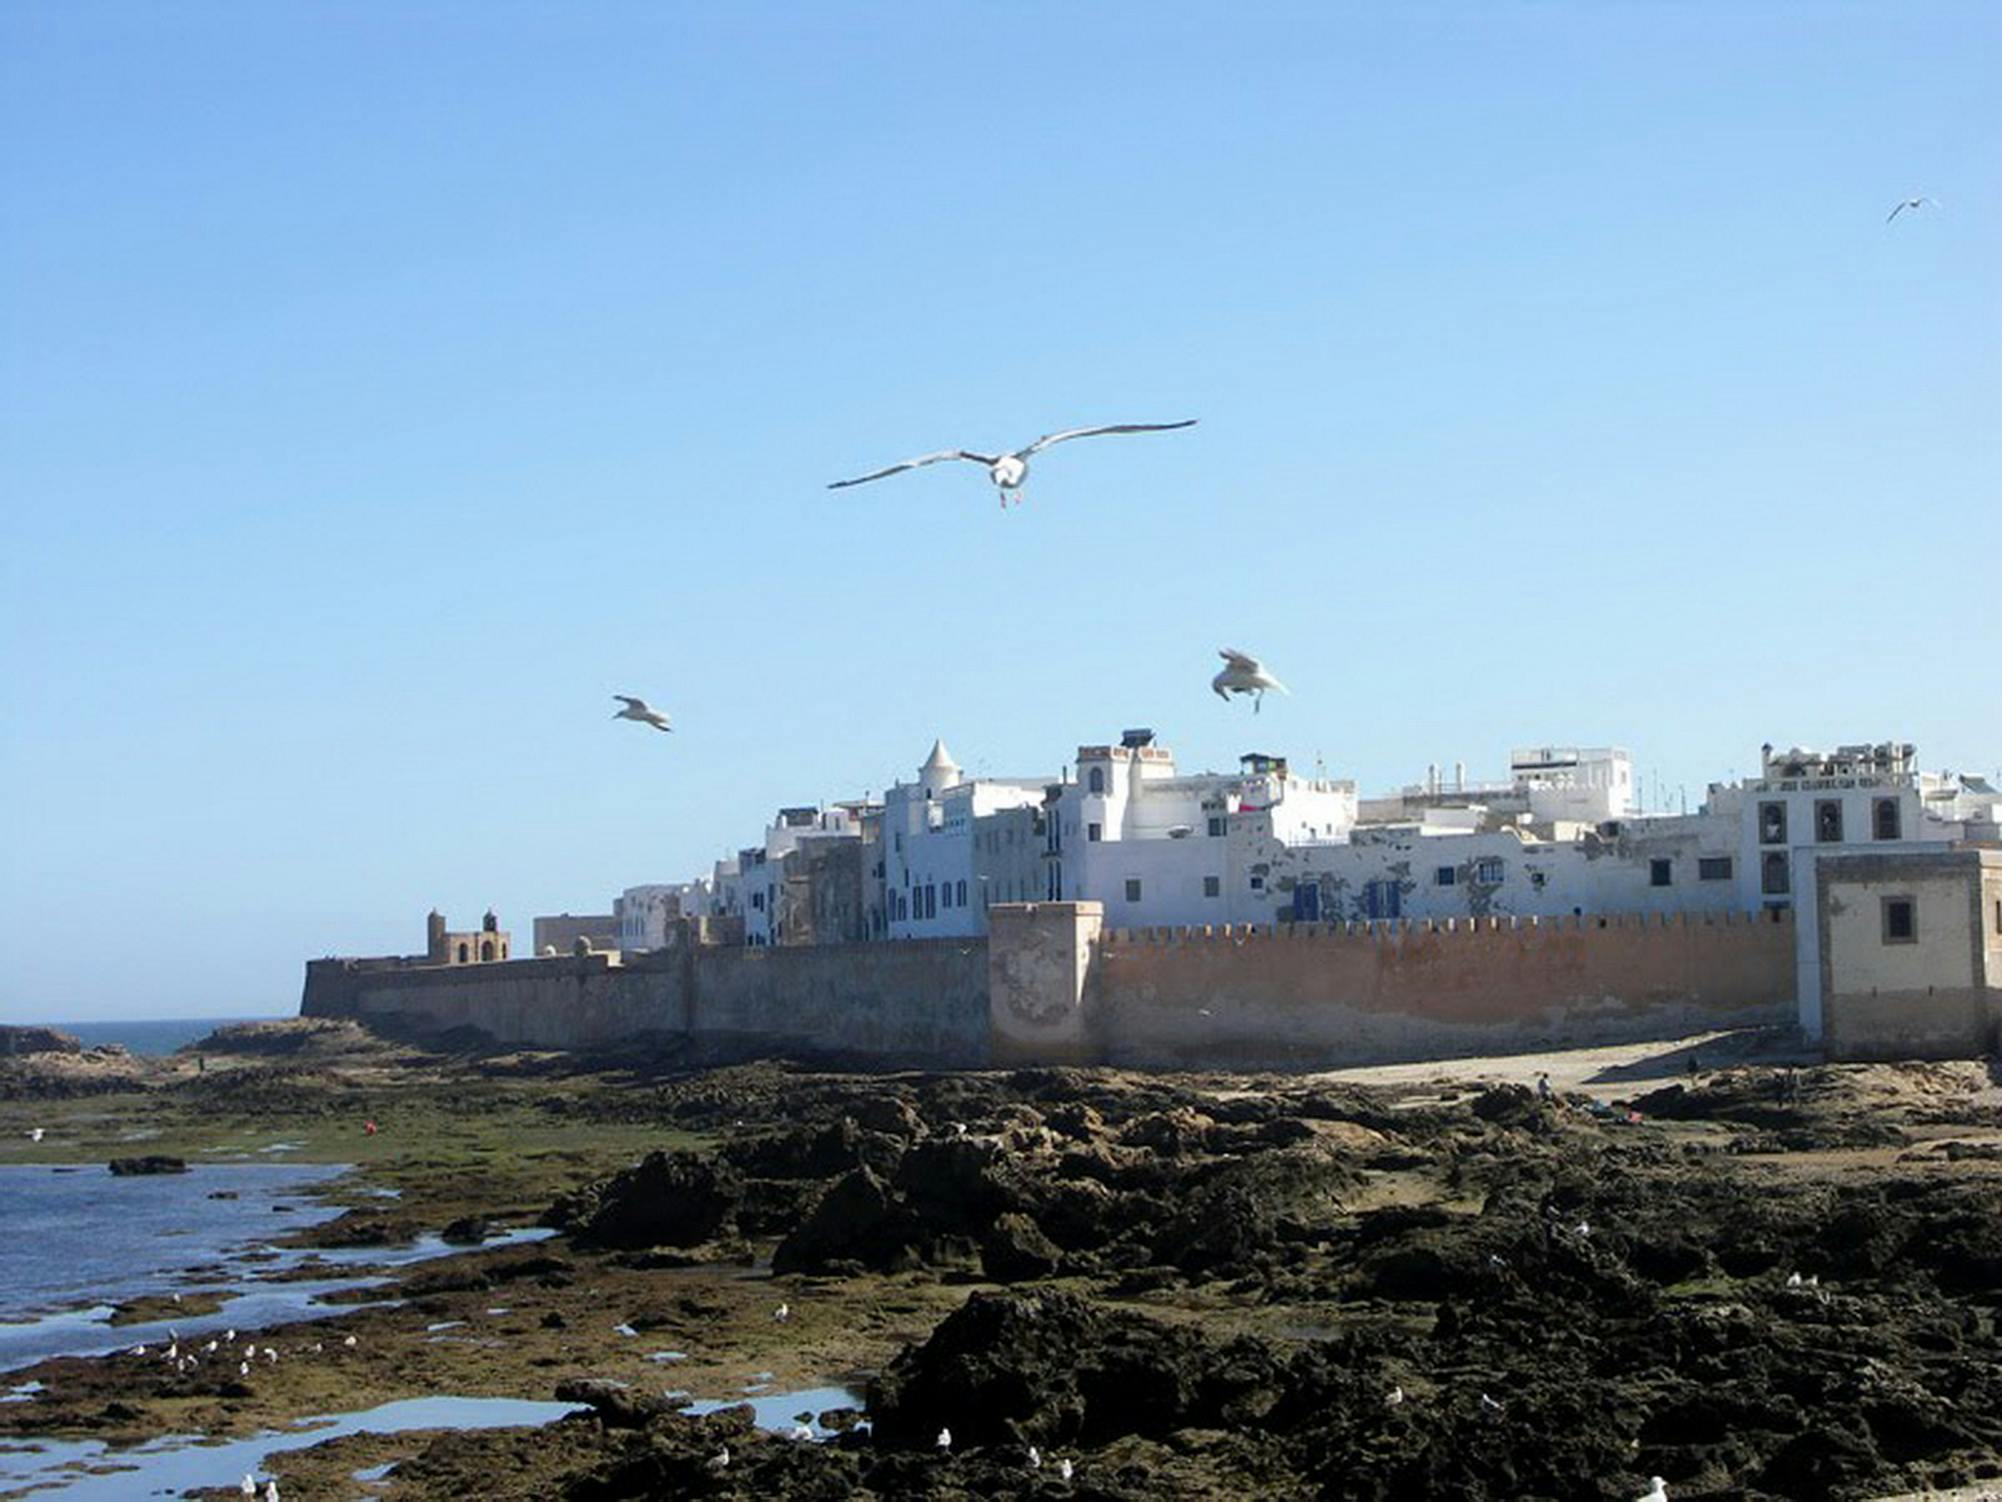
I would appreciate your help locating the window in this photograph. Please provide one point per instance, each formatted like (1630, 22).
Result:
(1096, 782)
(1998, 915)
(1660, 872)
(1772, 823)
(1884, 818)
(931, 900)
(959, 892)
(1901, 920)
(1257, 883)
(1828, 820)
(758, 900)
(1713, 868)
(1445, 876)
(1488, 871)
(1773, 876)
(1382, 899)
(1216, 826)
(1132, 889)
(1091, 831)
(463, 954)
(1213, 887)
(945, 895)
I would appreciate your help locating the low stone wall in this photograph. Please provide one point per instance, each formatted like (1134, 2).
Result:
(1322, 996)
(923, 1002)
(1050, 987)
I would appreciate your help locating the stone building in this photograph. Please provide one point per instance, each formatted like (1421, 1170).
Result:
(1909, 953)
(485, 946)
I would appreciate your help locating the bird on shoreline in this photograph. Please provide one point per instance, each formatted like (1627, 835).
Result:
(1008, 471)
(35, 1134)
(640, 710)
(1910, 203)
(1657, 1490)
(1244, 674)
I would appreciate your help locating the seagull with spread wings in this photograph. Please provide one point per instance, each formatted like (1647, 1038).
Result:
(1244, 674)
(638, 709)
(1910, 203)
(1009, 470)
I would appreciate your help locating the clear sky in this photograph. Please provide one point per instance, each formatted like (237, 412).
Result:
(382, 387)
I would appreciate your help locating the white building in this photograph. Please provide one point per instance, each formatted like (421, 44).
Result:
(953, 844)
(644, 913)
(1157, 848)
(1860, 799)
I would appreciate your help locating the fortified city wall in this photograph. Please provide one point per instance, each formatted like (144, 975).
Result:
(1050, 985)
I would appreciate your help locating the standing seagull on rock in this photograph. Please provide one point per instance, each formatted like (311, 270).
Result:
(1244, 674)
(1008, 471)
(636, 709)
(1910, 203)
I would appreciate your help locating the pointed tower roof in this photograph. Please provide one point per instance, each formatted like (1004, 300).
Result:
(940, 759)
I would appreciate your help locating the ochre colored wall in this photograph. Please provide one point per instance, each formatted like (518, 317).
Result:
(1316, 997)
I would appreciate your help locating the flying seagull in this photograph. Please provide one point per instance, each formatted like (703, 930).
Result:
(1008, 471)
(637, 709)
(1910, 203)
(1244, 674)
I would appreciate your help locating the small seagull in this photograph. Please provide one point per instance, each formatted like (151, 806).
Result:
(945, 1439)
(1657, 1490)
(1583, 1228)
(229, 1337)
(209, 1349)
(1490, 1404)
(243, 1370)
(1035, 1458)
(638, 709)
(270, 1491)
(249, 1485)
(1244, 674)
(720, 1461)
(349, 1342)
(138, 1350)
(782, 1313)
(1396, 1396)
(1064, 1468)
(624, 1329)
(800, 1432)
(1910, 203)
(271, 1355)
(1793, 1280)
(35, 1134)
(1008, 471)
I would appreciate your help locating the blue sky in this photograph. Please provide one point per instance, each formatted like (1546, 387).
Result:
(383, 387)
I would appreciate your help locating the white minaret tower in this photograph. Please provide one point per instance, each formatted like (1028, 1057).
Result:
(939, 772)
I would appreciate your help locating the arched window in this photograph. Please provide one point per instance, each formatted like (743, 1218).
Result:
(464, 954)
(486, 950)
(960, 896)
(1097, 780)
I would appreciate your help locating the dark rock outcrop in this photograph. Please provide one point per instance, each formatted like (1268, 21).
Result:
(148, 1164)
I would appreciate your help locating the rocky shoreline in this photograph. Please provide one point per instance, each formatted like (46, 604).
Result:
(1751, 1282)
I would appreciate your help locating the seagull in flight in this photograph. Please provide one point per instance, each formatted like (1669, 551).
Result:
(638, 709)
(1009, 470)
(1244, 674)
(1910, 203)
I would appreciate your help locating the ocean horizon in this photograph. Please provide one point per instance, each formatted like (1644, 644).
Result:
(150, 1037)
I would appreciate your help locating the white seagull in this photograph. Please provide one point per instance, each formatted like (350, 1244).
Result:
(1657, 1490)
(1244, 674)
(782, 1313)
(638, 709)
(248, 1486)
(35, 1134)
(1009, 470)
(1910, 203)
(1064, 1468)
(945, 1439)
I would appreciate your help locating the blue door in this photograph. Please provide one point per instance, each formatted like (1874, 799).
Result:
(1307, 902)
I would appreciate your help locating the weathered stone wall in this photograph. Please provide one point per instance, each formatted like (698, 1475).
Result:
(1933, 996)
(916, 1002)
(1324, 995)
(1050, 987)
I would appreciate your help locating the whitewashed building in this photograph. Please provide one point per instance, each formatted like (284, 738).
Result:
(953, 844)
